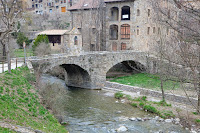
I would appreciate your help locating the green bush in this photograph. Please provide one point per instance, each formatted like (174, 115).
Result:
(150, 108)
(134, 104)
(144, 98)
(22, 38)
(40, 39)
(119, 95)
(197, 120)
(141, 104)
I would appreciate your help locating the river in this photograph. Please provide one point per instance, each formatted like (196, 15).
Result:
(96, 111)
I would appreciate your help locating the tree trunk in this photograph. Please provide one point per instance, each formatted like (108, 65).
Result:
(4, 51)
(8, 57)
(162, 89)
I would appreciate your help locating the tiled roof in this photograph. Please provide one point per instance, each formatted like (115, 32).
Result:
(53, 32)
(106, 1)
(85, 4)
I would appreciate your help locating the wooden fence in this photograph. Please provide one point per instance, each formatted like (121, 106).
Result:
(4, 63)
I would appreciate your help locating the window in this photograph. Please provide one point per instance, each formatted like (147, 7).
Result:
(54, 38)
(148, 30)
(158, 30)
(123, 46)
(125, 31)
(154, 29)
(75, 40)
(125, 13)
(114, 14)
(70, 3)
(50, 10)
(167, 31)
(114, 46)
(113, 32)
(63, 9)
(138, 31)
(168, 14)
(138, 12)
(149, 12)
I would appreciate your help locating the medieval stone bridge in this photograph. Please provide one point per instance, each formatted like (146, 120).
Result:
(88, 70)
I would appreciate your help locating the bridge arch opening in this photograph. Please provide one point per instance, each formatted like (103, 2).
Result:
(125, 68)
(76, 76)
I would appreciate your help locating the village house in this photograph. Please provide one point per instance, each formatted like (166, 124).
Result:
(49, 6)
(124, 24)
(64, 40)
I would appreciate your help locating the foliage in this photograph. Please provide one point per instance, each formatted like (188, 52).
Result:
(20, 52)
(6, 130)
(40, 39)
(197, 120)
(119, 95)
(20, 103)
(146, 80)
(150, 109)
(134, 104)
(22, 38)
(141, 104)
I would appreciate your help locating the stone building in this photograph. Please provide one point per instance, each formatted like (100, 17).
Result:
(50, 6)
(64, 40)
(89, 17)
(125, 24)
(129, 25)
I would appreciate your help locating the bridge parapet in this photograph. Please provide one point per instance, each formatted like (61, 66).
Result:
(92, 66)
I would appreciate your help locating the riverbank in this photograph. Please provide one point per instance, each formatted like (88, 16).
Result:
(184, 112)
(20, 103)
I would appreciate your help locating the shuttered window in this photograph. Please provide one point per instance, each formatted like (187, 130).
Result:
(63, 9)
(125, 31)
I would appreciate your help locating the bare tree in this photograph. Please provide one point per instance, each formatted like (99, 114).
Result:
(182, 27)
(10, 12)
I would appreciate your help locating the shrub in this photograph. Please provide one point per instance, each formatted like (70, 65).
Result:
(134, 104)
(40, 39)
(141, 104)
(119, 95)
(197, 120)
(144, 98)
(150, 108)
(164, 103)
(22, 38)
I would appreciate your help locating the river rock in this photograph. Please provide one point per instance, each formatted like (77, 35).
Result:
(177, 120)
(139, 119)
(161, 120)
(133, 119)
(168, 120)
(122, 129)
(123, 101)
(123, 118)
(118, 112)
(192, 131)
(157, 117)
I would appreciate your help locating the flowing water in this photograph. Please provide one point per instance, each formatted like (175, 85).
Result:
(92, 111)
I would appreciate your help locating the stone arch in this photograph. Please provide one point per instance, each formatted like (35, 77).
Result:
(129, 64)
(114, 13)
(76, 76)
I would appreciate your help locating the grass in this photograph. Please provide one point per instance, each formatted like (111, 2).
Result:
(6, 130)
(20, 105)
(119, 95)
(20, 52)
(146, 81)
(149, 106)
